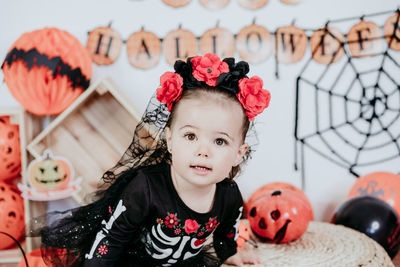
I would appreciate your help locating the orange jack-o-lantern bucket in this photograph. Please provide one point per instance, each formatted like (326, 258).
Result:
(12, 219)
(46, 70)
(10, 149)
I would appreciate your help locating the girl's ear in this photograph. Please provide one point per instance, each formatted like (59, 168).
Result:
(241, 152)
(168, 137)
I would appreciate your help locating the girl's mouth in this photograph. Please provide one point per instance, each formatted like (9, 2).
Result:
(200, 168)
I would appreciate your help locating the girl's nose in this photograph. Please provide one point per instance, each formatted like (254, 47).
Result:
(203, 151)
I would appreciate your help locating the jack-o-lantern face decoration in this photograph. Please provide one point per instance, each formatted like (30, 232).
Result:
(12, 219)
(280, 216)
(10, 150)
(49, 174)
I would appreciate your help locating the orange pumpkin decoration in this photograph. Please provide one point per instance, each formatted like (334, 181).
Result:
(244, 234)
(143, 49)
(46, 70)
(327, 45)
(12, 219)
(254, 44)
(252, 4)
(280, 216)
(176, 3)
(34, 259)
(218, 41)
(291, 44)
(364, 39)
(392, 35)
(179, 44)
(104, 45)
(382, 185)
(214, 4)
(49, 174)
(10, 149)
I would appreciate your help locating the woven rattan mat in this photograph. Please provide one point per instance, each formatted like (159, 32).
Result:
(325, 244)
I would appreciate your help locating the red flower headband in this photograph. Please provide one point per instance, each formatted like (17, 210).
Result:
(210, 69)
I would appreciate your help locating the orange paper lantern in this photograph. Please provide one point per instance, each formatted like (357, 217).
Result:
(104, 45)
(143, 49)
(382, 185)
(46, 70)
(218, 41)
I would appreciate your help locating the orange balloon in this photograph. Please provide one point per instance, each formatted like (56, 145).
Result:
(46, 70)
(382, 185)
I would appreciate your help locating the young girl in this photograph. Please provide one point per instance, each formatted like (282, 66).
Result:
(173, 189)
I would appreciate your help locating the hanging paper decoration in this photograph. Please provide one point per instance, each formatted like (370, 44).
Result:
(218, 41)
(179, 44)
(327, 45)
(214, 4)
(392, 35)
(12, 218)
(290, 43)
(143, 49)
(176, 3)
(382, 185)
(104, 45)
(254, 43)
(253, 4)
(50, 177)
(291, 2)
(365, 39)
(10, 149)
(46, 70)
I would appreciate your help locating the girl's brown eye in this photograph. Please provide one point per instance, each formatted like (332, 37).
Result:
(190, 137)
(220, 142)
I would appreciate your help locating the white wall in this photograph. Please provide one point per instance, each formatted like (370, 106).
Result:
(327, 183)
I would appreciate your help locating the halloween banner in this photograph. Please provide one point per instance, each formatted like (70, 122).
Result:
(218, 4)
(254, 43)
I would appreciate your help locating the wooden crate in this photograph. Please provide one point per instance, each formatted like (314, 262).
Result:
(93, 133)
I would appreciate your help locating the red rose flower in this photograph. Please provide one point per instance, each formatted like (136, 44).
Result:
(208, 68)
(191, 226)
(171, 88)
(253, 97)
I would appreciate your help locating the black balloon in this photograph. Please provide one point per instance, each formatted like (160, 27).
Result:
(373, 217)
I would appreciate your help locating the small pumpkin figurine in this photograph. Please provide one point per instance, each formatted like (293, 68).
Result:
(10, 150)
(50, 177)
(280, 216)
(49, 174)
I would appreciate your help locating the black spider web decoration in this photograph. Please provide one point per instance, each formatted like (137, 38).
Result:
(348, 111)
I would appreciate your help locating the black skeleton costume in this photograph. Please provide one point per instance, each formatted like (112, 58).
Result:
(138, 219)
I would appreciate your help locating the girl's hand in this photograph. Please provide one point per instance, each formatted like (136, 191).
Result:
(245, 255)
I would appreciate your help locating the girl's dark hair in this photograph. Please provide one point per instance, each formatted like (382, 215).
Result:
(203, 91)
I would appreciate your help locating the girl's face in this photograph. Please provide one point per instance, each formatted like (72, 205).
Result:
(205, 139)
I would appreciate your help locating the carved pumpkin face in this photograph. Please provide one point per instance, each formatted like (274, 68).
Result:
(49, 174)
(12, 219)
(10, 150)
(280, 216)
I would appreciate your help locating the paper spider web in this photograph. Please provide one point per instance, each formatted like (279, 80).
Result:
(348, 111)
